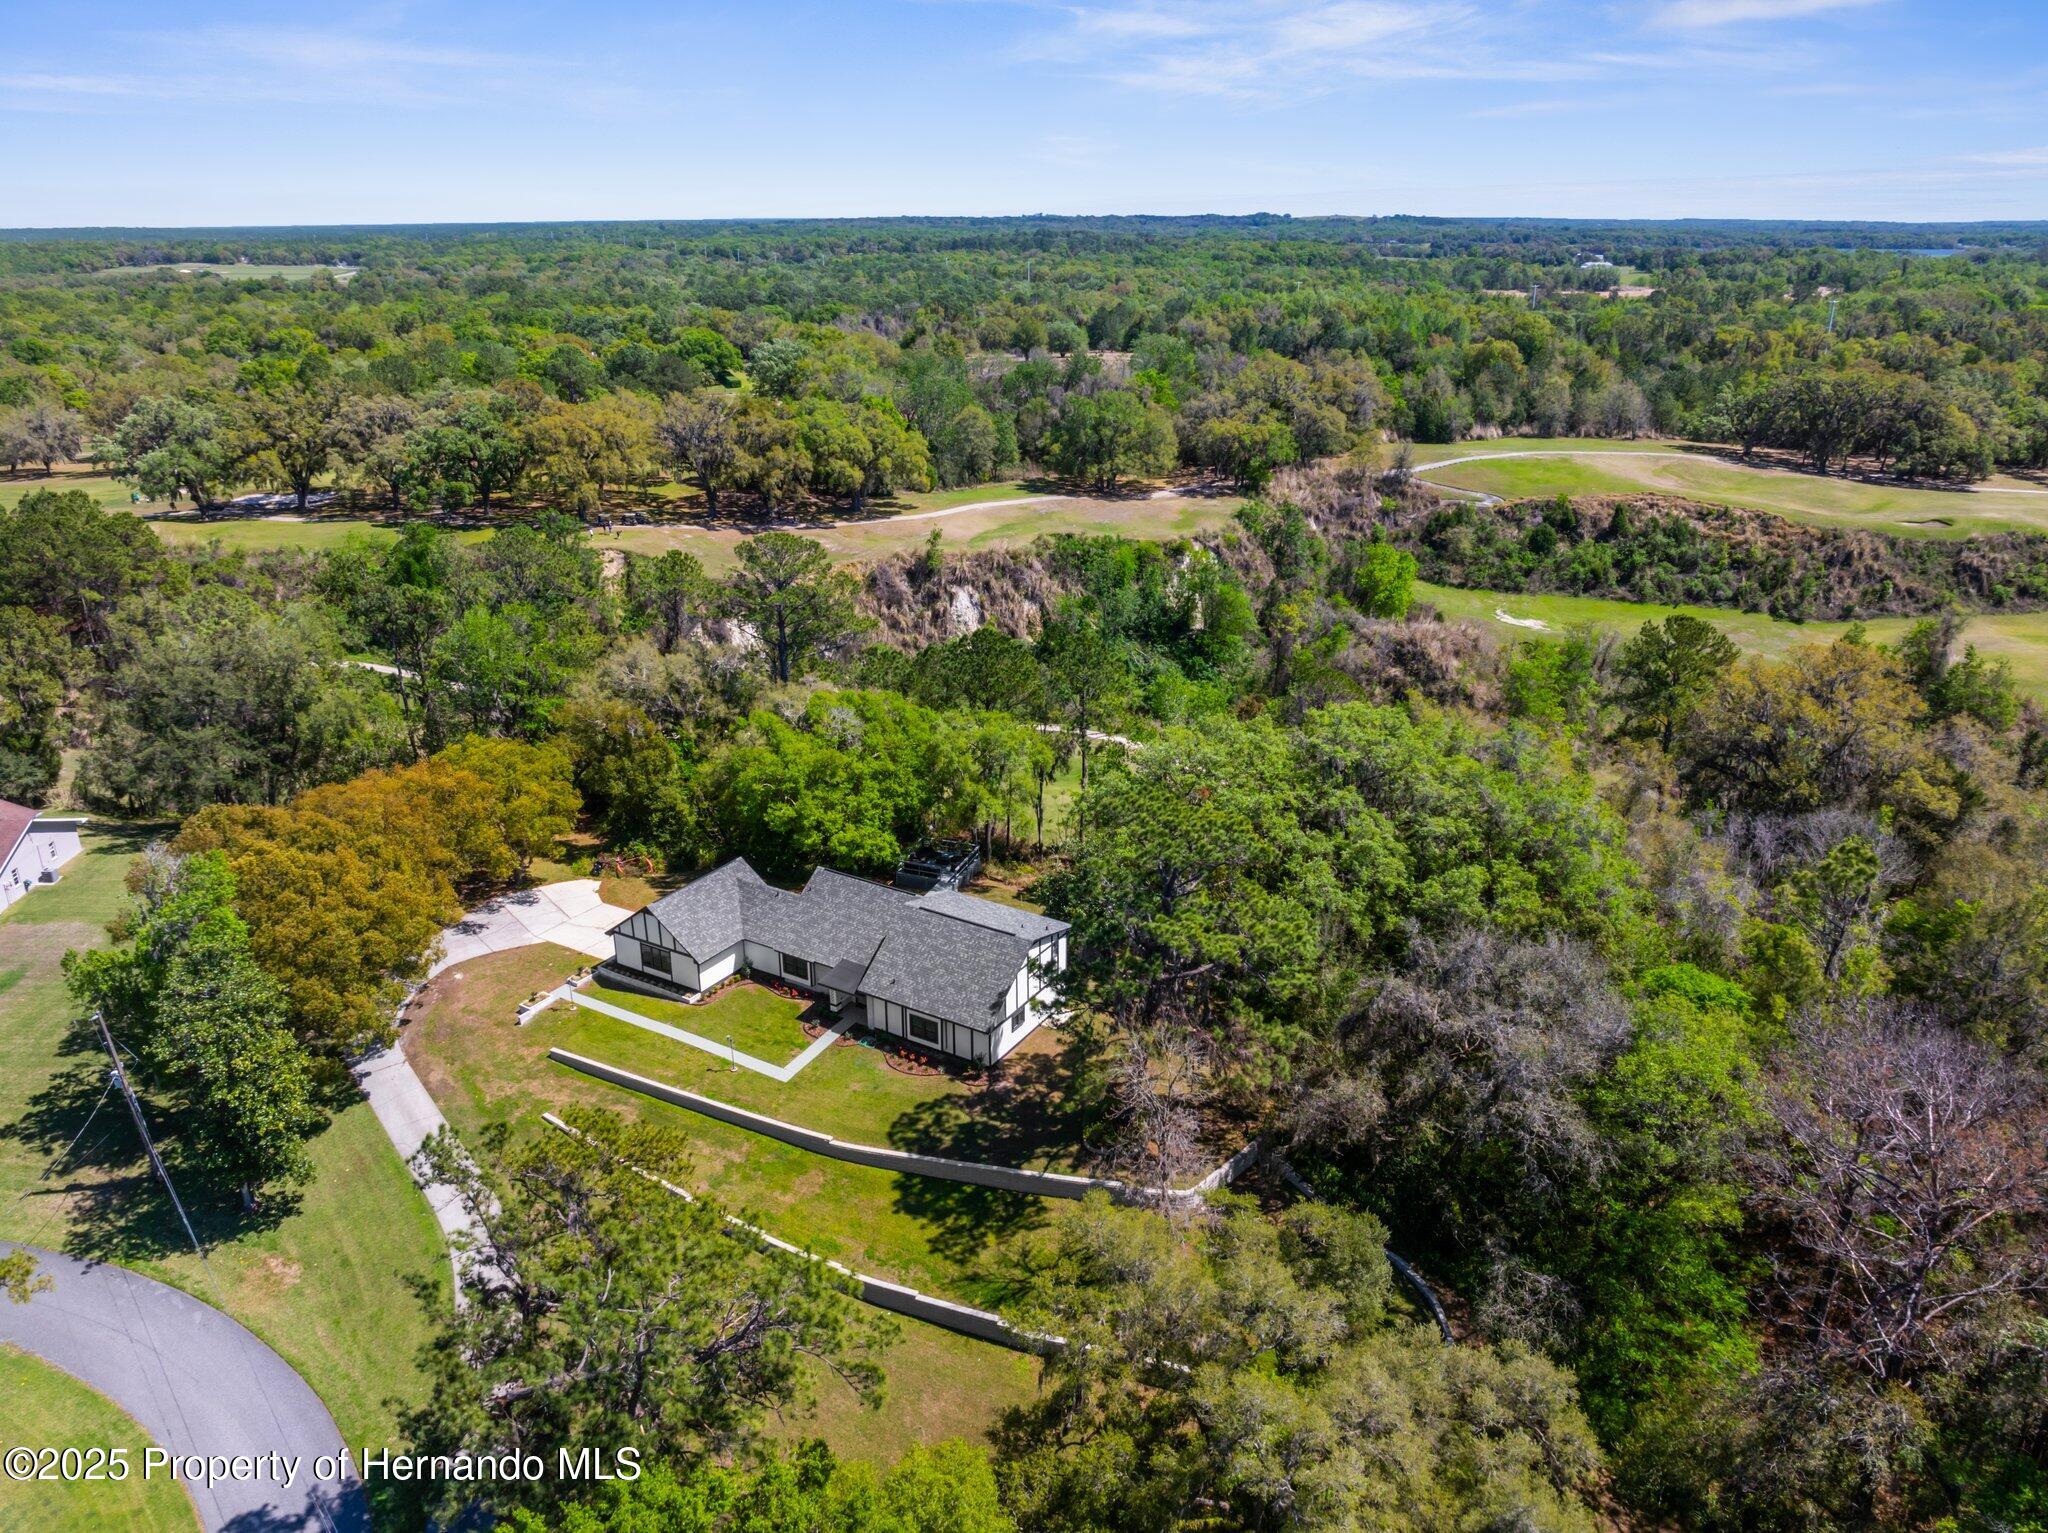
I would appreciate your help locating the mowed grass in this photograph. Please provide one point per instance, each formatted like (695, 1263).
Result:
(937, 1385)
(2020, 638)
(327, 1279)
(1172, 515)
(259, 535)
(44, 1407)
(753, 1018)
(895, 525)
(1518, 468)
(108, 494)
(484, 1069)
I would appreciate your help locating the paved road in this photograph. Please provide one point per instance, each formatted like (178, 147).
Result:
(197, 1382)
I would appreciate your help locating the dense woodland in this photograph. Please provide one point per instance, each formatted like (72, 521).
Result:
(1680, 1015)
(466, 368)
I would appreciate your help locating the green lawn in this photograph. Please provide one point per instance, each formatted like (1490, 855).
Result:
(108, 493)
(1168, 516)
(1628, 468)
(1139, 515)
(939, 1385)
(259, 534)
(323, 1278)
(2020, 637)
(47, 1408)
(754, 1018)
(962, 495)
(483, 1068)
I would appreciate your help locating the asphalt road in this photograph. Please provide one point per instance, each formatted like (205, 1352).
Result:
(198, 1383)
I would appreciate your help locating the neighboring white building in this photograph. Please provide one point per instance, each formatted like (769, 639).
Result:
(32, 848)
(943, 970)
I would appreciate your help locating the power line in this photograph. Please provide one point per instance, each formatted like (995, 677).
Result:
(58, 1159)
(156, 1161)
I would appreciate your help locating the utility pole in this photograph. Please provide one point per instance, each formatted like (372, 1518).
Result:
(1831, 314)
(156, 1161)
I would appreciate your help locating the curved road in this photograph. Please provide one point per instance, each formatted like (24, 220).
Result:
(197, 1382)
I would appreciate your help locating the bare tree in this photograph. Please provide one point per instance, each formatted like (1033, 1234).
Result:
(1482, 1043)
(1912, 1182)
(1159, 1070)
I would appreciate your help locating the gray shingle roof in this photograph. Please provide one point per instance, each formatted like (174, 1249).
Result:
(945, 968)
(1028, 924)
(704, 915)
(834, 918)
(948, 955)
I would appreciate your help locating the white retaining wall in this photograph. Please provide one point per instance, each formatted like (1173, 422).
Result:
(1052, 1184)
(897, 1298)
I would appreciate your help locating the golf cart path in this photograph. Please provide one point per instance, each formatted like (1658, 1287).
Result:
(197, 1382)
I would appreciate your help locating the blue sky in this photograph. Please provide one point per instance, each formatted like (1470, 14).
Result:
(207, 113)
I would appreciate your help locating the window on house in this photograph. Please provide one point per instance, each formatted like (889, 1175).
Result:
(923, 1028)
(653, 959)
(796, 968)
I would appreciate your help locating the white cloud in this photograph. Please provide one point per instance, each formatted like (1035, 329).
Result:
(1272, 51)
(2038, 155)
(1722, 13)
(299, 65)
(77, 85)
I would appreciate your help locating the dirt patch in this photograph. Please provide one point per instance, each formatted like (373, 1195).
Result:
(806, 1187)
(282, 1272)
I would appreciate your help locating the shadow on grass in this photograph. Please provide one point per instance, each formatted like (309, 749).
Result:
(1028, 1114)
(114, 1207)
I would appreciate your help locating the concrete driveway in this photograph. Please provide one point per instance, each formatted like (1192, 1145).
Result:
(569, 913)
(198, 1383)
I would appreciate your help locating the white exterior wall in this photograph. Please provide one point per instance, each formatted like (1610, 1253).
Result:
(48, 845)
(721, 967)
(1030, 990)
(641, 932)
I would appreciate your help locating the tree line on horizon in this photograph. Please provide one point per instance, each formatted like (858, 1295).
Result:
(558, 367)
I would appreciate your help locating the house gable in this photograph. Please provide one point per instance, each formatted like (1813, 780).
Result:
(966, 970)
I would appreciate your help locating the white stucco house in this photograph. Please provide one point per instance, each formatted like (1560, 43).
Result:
(941, 970)
(32, 848)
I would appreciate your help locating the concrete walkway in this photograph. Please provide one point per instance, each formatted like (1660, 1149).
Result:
(780, 1073)
(198, 1383)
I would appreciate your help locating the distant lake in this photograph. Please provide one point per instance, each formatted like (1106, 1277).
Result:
(1944, 250)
